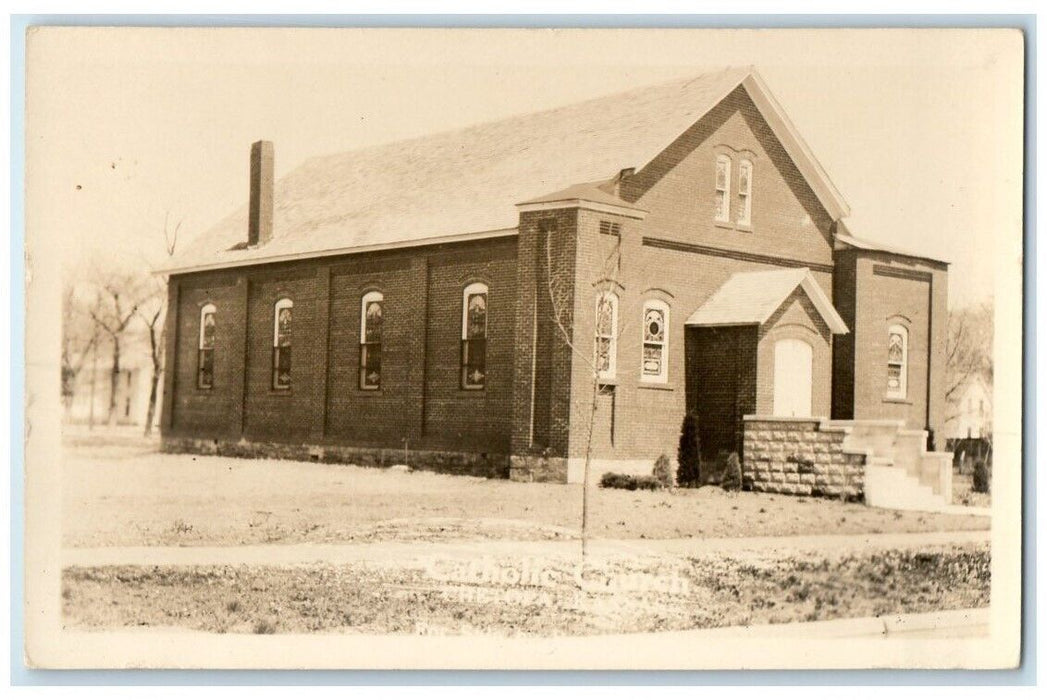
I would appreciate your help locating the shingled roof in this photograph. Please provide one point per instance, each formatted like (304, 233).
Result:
(751, 298)
(466, 182)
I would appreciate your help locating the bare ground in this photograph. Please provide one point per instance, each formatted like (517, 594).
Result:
(119, 490)
(394, 598)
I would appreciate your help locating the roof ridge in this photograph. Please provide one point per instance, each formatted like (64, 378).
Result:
(724, 71)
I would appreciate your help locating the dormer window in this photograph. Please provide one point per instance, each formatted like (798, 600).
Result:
(723, 188)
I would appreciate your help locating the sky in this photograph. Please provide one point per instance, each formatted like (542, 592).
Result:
(920, 130)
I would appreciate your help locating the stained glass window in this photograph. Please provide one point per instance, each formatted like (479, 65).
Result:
(282, 344)
(371, 308)
(654, 367)
(745, 200)
(897, 361)
(723, 188)
(205, 358)
(606, 335)
(474, 337)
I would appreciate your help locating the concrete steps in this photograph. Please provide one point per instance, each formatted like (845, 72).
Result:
(900, 472)
(890, 486)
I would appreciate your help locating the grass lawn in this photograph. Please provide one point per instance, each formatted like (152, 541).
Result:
(963, 493)
(709, 591)
(121, 491)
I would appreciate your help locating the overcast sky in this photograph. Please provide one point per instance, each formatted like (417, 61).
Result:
(919, 130)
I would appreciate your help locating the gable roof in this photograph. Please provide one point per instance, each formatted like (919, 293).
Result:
(751, 298)
(464, 183)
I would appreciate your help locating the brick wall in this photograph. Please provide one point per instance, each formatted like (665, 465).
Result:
(880, 290)
(800, 457)
(420, 399)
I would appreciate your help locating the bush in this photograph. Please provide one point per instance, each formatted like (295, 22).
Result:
(663, 471)
(614, 480)
(980, 479)
(689, 454)
(732, 474)
(648, 483)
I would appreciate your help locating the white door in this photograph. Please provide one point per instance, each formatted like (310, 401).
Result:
(793, 362)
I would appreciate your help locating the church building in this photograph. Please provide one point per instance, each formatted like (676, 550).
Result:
(474, 301)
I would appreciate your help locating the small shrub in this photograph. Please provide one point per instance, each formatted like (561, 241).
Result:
(647, 483)
(980, 478)
(614, 480)
(663, 471)
(732, 474)
(689, 453)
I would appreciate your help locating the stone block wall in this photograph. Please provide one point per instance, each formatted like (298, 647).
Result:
(490, 465)
(800, 456)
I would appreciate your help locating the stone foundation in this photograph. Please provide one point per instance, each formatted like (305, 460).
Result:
(538, 468)
(801, 456)
(463, 463)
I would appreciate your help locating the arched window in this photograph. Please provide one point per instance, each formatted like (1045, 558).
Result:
(723, 188)
(606, 335)
(371, 341)
(474, 336)
(205, 356)
(654, 365)
(745, 198)
(897, 361)
(282, 344)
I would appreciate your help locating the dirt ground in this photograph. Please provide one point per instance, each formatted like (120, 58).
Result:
(119, 490)
(529, 598)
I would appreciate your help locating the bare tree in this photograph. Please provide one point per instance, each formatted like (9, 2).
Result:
(968, 352)
(80, 338)
(153, 312)
(580, 334)
(119, 296)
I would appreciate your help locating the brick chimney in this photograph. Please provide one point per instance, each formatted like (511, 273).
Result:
(260, 211)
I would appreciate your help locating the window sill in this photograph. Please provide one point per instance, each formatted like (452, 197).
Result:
(657, 386)
(723, 224)
(607, 381)
(907, 402)
(369, 392)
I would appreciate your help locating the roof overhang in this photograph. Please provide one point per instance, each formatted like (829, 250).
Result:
(578, 203)
(348, 250)
(795, 146)
(752, 298)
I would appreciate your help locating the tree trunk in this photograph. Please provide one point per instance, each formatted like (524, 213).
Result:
(114, 381)
(585, 468)
(154, 382)
(151, 411)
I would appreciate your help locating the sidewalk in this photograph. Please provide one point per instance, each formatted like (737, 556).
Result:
(345, 553)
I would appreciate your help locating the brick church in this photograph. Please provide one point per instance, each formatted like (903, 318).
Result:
(460, 301)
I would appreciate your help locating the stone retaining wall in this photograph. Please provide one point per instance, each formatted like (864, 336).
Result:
(472, 464)
(800, 457)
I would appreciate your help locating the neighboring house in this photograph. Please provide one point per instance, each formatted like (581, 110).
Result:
(88, 401)
(970, 415)
(396, 300)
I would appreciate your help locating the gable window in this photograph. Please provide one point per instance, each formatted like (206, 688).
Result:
(745, 198)
(606, 335)
(371, 341)
(474, 336)
(655, 360)
(282, 344)
(723, 188)
(897, 361)
(205, 357)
